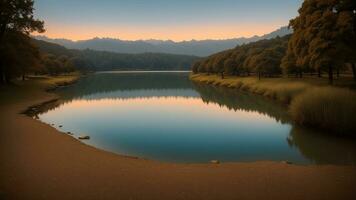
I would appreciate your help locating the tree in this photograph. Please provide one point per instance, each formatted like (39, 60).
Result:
(195, 67)
(16, 22)
(347, 31)
(19, 55)
(324, 35)
(17, 15)
(288, 64)
(267, 54)
(268, 62)
(240, 56)
(218, 65)
(230, 66)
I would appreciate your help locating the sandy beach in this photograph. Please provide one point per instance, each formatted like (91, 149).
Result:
(38, 162)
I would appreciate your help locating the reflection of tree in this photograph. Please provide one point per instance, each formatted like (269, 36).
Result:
(321, 148)
(235, 100)
(109, 82)
(318, 147)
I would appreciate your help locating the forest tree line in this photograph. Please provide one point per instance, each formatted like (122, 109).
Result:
(21, 55)
(92, 60)
(323, 41)
(262, 58)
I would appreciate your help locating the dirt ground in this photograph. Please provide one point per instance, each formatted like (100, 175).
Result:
(38, 162)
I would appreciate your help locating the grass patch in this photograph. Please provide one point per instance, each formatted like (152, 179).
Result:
(277, 89)
(34, 86)
(326, 108)
(311, 101)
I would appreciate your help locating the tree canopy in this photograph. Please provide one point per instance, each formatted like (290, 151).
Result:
(323, 40)
(16, 22)
(324, 37)
(262, 57)
(91, 60)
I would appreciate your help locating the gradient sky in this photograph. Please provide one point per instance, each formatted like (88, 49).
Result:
(163, 19)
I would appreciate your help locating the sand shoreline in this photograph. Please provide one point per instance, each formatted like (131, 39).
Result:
(39, 162)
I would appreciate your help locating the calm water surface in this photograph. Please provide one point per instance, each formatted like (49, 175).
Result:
(166, 117)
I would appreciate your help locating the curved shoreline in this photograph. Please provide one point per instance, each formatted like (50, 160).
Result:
(39, 162)
(310, 103)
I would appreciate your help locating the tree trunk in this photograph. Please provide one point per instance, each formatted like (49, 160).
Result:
(300, 74)
(222, 75)
(353, 66)
(319, 73)
(23, 77)
(259, 75)
(337, 72)
(331, 76)
(7, 79)
(2, 32)
(2, 76)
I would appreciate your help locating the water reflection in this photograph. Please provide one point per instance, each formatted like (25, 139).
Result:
(237, 100)
(164, 116)
(115, 85)
(318, 148)
(323, 149)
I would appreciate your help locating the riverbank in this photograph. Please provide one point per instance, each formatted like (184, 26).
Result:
(311, 101)
(38, 162)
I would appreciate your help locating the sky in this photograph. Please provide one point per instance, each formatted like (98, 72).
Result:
(175, 20)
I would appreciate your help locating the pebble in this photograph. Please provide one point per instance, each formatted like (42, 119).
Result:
(215, 162)
(287, 162)
(84, 137)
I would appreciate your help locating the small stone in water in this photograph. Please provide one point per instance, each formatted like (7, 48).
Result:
(60, 126)
(214, 161)
(287, 162)
(84, 137)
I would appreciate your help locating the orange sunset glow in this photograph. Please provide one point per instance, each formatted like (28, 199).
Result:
(175, 33)
(177, 21)
(183, 106)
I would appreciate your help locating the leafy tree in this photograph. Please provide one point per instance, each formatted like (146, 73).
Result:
(324, 35)
(230, 66)
(288, 64)
(240, 56)
(195, 67)
(262, 57)
(17, 15)
(19, 55)
(347, 31)
(16, 22)
(218, 65)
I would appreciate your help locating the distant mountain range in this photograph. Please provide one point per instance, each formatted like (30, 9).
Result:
(193, 47)
(93, 60)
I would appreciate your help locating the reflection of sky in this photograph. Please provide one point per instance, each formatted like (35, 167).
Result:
(143, 93)
(163, 116)
(175, 129)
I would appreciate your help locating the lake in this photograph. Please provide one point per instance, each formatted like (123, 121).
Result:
(164, 116)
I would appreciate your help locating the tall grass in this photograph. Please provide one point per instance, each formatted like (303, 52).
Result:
(310, 104)
(272, 88)
(327, 108)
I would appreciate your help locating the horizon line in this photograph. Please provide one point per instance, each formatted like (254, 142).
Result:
(148, 39)
(155, 39)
